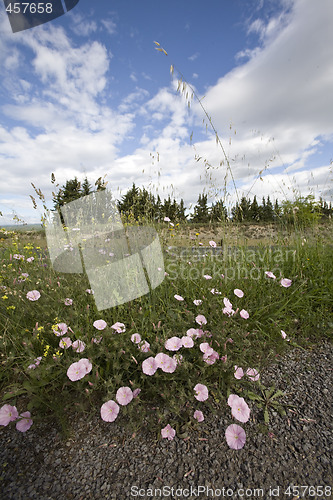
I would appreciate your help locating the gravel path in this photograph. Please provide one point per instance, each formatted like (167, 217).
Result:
(103, 461)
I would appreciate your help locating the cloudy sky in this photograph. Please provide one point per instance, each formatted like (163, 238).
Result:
(88, 94)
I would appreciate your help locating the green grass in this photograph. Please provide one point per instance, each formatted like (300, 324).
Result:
(303, 311)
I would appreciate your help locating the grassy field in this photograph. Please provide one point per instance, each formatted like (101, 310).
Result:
(200, 298)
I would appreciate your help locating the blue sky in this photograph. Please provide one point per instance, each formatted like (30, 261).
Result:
(89, 94)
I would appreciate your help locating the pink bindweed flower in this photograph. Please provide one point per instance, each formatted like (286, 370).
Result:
(124, 395)
(239, 373)
(65, 343)
(210, 359)
(201, 392)
(224, 358)
(235, 436)
(119, 327)
(109, 411)
(285, 282)
(284, 336)
(201, 320)
(25, 423)
(206, 349)
(198, 415)
(33, 295)
(239, 293)
(239, 408)
(100, 324)
(187, 341)
(149, 366)
(78, 370)
(244, 314)
(144, 346)
(178, 297)
(192, 332)
(252, 374)
(90, 291)
(136, 392)
(68, 302)
(78, 346)
(173, 344)
(168, 432)
(270, 274)
(212, 244)
(30, 259)
(60, 329)
(207, 277)
(8, 413)
(167, 364)
(215, 292)
(197, 302)
(227, 303)
(166, 219)
(136, 338)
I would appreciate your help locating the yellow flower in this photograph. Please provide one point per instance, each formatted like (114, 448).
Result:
(4, 297)
(11, 308)
(197, 234)
(46, 350)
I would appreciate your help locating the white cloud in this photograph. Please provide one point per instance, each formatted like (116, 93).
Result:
(110, 26)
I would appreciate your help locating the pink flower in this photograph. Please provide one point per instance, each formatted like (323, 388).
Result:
(60, 329)
(211, 358)
(285, 282)
(201, 392)
(235, 436)
(25, 423)
(8, 413)
(124, 395)
(197, 302)
(33, 295)
(136, 338)
(207, 276)
(284, 336)
(199, 416)
(90, 291)
(270, 274)
(239, 373)
(201, 320)
(136, 392)
(78, 346)
(30, 259)
(239, 408)
(144, 346)
(215, 292)
(109, 411)
(178, 297)
(167, 364)
(227, 303)
(68, 302)
(119, 327)
(192, 332)
(149, 366)
(173, 344)
(65, 343)
(100, 324)
(187, 341)
(166, 219)
(78, 370)
(168, 432)
(239, 293)
(244, 314)
(86, 364)
(212, 244)
(206, 349)
(252, 374)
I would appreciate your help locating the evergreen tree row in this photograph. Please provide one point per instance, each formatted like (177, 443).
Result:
(139, 204)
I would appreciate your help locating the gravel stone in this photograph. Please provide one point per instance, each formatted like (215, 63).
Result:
(297, 450)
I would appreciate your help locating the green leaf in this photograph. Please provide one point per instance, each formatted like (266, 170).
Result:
(266, 416)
